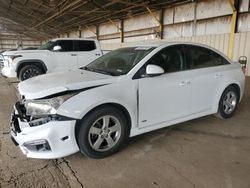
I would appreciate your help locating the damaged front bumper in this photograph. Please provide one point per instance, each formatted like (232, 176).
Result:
(49, 140)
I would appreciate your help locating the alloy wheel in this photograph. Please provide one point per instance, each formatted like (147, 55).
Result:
(29, 73)
(229, 102)
(104, 133)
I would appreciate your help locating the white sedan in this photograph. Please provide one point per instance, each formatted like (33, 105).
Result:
(124, 93)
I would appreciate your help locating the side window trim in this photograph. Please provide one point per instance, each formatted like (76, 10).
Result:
(61, 41)
(94, 47)
(212, 54)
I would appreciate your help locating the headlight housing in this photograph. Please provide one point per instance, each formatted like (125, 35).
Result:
(10, 58)
(44, 107)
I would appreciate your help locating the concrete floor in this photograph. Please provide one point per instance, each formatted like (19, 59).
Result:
(206, 152)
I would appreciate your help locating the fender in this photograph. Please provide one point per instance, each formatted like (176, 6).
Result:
(79, 105)
(31, 61)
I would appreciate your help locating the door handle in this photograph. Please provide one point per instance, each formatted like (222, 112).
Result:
(97, 54)
(183, 83)
(218, 75)
(73, 54)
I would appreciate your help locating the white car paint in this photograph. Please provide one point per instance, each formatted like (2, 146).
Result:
(53, 61)
(152, 102)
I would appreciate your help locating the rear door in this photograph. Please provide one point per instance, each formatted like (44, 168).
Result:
(206, 70)
(166, 97)
(87, 51)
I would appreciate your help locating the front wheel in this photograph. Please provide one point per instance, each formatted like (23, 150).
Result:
(29, 71)
(103, 132)
(228, 102)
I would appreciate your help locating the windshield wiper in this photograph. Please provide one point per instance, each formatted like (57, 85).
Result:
(99, 71)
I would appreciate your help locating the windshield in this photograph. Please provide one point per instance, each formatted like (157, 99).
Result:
(119, 62)
(47, 46)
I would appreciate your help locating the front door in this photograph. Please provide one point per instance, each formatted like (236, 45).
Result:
(166, 97)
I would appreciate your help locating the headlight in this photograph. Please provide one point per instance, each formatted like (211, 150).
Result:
(45, 106)
(10, 58)
(7, 59)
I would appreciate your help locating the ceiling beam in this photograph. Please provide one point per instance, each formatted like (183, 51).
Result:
(40, 3)
(84, 15)
(69, 7)
(85, 21)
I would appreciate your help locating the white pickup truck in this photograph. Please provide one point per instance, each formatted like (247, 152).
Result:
(54, 56)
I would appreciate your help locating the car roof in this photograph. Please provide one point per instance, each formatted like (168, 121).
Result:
(170, 43)
(165, 44)
(73, 39)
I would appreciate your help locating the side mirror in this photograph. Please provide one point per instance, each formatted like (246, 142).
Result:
(57, 48)
(154, 70)
(243, 60)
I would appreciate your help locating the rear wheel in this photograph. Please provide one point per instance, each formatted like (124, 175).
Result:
(228, 102)
(103, 132)
(29, 71)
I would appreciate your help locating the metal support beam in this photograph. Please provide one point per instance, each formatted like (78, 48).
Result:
(160, 21)
(233, 29)
(152, 14)
(72, 6)
(122, 31)
(119, 28)
(88, 28)
(195, 18)
(97, 32)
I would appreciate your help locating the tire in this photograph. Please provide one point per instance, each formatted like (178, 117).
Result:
(228, 102)
(29, 71)
(97, 139)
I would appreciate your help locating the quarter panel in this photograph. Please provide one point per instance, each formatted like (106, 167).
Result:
(232, 75)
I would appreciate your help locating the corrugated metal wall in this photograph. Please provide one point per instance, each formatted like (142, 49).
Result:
(203, 21)
(9, 43)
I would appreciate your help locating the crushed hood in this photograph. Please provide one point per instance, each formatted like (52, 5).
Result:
(49, 84)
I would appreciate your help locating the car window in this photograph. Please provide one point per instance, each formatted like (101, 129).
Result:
(47, 46)
(219, 60)
(85, 45)
(200, 57)
(66, 45)
(170, 59)
(120, 61)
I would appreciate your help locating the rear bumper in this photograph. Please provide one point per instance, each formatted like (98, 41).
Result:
(56, 138)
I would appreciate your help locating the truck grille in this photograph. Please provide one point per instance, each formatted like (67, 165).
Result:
(1, 61)
(1, 64)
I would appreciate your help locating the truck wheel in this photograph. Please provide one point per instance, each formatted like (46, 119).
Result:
(102, 132)
(29, 71)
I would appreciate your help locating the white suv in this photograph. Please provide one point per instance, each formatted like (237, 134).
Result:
(124, 93)
(56, 55)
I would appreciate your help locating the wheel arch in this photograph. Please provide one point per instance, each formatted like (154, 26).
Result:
(236, 86)
(112, 104)
(36, 62)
